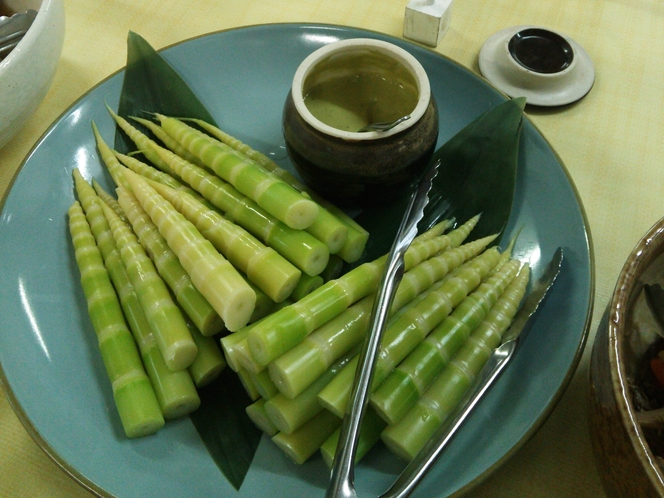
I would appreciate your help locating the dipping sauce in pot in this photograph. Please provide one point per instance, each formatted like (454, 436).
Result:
(352, 89)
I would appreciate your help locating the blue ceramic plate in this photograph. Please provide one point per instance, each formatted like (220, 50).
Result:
(48, 353)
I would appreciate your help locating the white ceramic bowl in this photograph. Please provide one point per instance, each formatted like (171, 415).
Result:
(27, 72)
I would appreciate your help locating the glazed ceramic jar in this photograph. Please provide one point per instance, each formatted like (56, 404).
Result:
(340, 89)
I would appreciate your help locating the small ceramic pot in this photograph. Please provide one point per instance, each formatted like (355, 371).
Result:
(346, 166)
(621, 425)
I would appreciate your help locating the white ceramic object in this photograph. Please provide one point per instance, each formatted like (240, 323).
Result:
(27, 72)
(499, 66)
(426, 21)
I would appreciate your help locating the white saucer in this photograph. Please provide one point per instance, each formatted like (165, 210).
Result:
(543, 89)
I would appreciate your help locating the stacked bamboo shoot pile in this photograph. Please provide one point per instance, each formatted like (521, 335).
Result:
(451, 308)
(208, 243)
(198, 241)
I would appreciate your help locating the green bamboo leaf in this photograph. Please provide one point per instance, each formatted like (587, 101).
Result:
(479, 170)
(150, 84)
(228, 433)
(477, 175)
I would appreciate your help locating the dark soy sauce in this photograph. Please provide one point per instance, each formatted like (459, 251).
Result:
(541, 51)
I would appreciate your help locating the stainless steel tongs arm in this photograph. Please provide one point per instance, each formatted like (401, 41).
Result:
(342, 478)
(415, 471)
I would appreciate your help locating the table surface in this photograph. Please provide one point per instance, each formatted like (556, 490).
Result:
(608, 142)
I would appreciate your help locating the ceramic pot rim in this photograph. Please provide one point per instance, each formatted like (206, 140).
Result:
(393, 51)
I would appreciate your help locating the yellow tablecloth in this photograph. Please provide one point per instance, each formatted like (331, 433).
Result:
(611, 142)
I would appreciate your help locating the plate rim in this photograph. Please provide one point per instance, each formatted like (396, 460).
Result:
(94, 488)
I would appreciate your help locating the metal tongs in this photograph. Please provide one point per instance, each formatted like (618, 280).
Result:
(418, 467)
(342, 479)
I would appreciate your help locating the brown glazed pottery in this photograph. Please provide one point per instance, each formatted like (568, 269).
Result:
(355, 168)
(623, 435)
